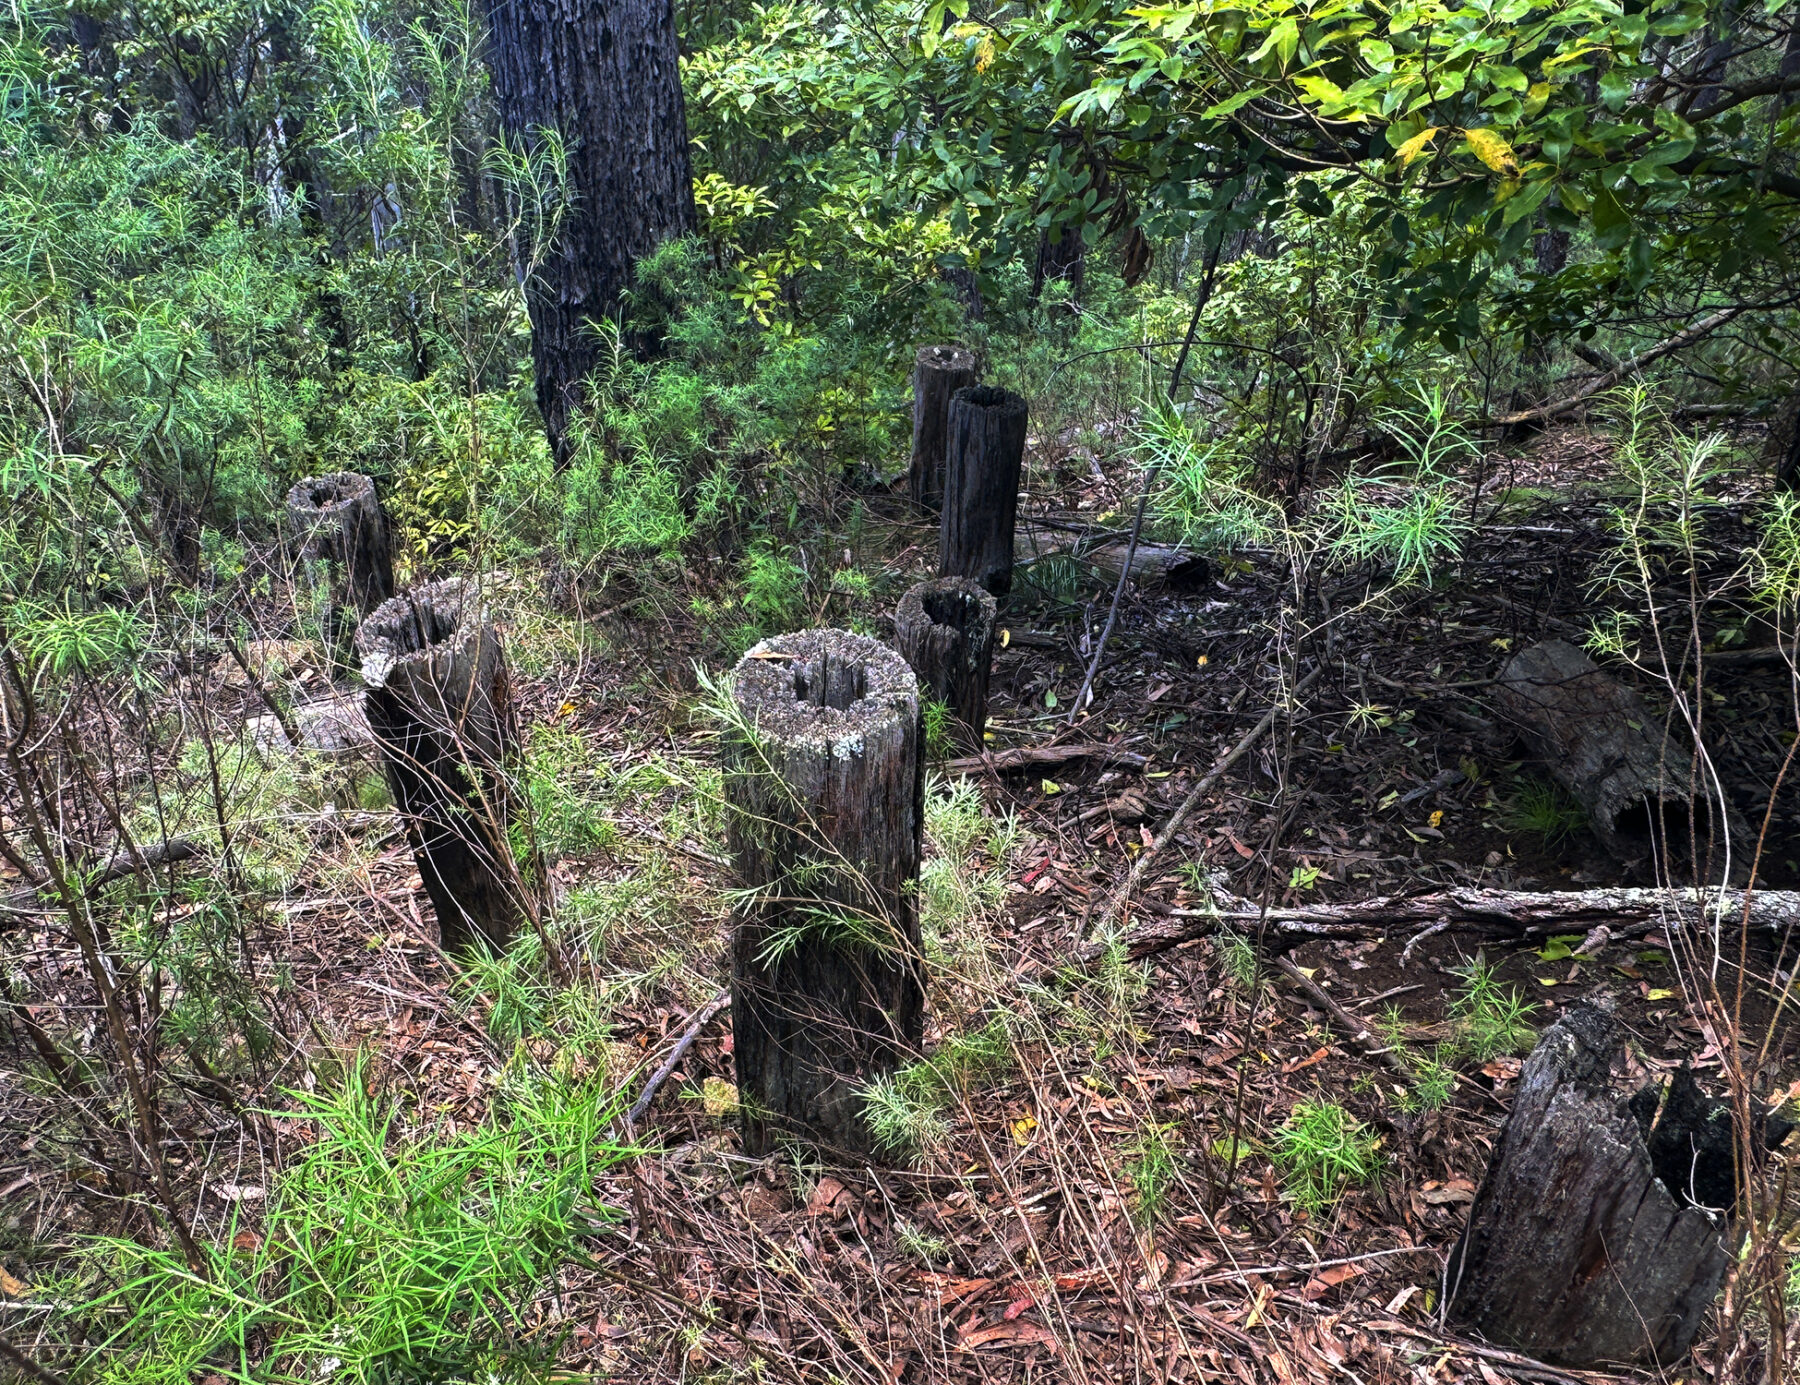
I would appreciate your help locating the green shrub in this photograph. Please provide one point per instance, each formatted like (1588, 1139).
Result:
(1323, 1152)
(381, 1255)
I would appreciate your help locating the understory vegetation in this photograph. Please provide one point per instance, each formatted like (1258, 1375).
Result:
(1365, 349)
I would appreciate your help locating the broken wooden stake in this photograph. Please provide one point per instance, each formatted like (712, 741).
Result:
(438, 706)
(985, 452)
(1583, 1249)
(824, 787)
(938, 373)
(1601, 743)
(944, 629)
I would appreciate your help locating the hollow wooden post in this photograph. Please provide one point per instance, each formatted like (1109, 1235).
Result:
(825, 789)
(335, 522)
(944, 629)
(938, 373)
(985, 451)
(1584, 1244)
(438, 705)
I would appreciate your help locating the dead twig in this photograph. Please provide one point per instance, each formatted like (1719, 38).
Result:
(702, 1018)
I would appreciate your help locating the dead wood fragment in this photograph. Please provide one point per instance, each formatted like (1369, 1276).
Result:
(1600, 742)
(702, 1018)
(1348, 1024)
(1105, 913)
(1577, 1249)
(1496, 913)
(1043, 756)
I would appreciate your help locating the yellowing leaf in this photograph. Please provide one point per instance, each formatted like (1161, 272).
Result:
(1415, 146)
(1051, 786)
(984, 53)
(1022, 1128)
(1491, 148)
(13, 1288)
(1200, 662)
(1437, 818)
(1658, 993)
(1005, 638)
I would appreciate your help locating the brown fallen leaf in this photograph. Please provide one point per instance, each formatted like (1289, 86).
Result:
(1007, 1332)
(1325, 1281)
(1295, 1065)
(1456, 1190)
(950, 1289)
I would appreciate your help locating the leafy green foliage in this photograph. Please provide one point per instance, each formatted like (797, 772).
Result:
(375, 1258)
(1323, 1152)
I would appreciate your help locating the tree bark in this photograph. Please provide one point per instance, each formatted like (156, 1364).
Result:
(938, 373)
(1600, 742)
(981, 486)
(439, 707)
(944, 629)
(1576, 1250)
(606, 77)
(825, 790)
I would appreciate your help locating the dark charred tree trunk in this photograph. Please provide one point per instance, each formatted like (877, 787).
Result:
(967, 288)
(945, 630)
(938, 373)
(826, 807)
(1062, 258)
(1600, 742)
(985, 451)
(1589, 1242)
(605, 77)
(439, 706)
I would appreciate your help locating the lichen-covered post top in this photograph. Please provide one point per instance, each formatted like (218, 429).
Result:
(824, 690)
(319, 505)
(437, 619)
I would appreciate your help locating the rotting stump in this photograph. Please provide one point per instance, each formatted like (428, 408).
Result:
(944, 629)
(824, 788)
(439, 708)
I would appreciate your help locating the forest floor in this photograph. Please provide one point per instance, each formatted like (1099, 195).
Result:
(1114, 1198)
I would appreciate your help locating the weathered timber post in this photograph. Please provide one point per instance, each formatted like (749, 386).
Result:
(981, 486)
(1585, 1244)
(1599, 740)
(825, 792)
(438, 705)
(944, 629)
(938, 373)
(336, 522)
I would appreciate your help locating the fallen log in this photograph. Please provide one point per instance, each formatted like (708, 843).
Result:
(1600, 742)
(1583, 1247)
(152, 856)
(1498, 914)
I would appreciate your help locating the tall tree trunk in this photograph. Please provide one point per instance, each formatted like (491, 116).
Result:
(604, 75)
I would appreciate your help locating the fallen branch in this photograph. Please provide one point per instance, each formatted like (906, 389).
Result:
(1188, 804)
(30, 900)
(1687, 336)
(702, 1018)
(1027, 757)
(1495, 913)
(1348, 1024)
